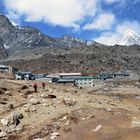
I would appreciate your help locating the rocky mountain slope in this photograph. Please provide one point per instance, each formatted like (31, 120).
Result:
(20, 38)
(3, 53)
(29, 49)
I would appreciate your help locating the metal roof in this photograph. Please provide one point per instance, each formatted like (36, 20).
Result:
(23, 72)
(3, 66)
(69, 74)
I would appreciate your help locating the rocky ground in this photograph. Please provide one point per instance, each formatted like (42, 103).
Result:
(108, 111)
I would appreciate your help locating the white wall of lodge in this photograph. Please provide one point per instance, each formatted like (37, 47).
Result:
(84, 82)
(6, 68)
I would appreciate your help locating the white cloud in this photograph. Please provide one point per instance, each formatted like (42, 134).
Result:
(72, 13)
(108, 38)
(131, 25)
(111, 38)
(104, 21)
(122, 2)
(112, 1)
(65, 13)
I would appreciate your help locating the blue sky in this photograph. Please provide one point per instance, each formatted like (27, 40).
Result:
(104, 21)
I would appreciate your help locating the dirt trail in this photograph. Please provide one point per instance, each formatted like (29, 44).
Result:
(111, 107)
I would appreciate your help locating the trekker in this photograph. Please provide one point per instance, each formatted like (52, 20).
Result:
(35, 87)
(43, 85)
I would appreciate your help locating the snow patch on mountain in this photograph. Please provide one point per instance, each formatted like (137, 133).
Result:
(6, 47)
(70, 38)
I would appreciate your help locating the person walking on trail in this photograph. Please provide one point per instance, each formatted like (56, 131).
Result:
(35, 87)
(43, 85)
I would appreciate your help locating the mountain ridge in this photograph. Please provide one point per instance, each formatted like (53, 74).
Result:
(32, 37)
(30, 50)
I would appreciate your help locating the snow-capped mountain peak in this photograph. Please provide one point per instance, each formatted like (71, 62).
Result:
(129, 38)
(129, 33)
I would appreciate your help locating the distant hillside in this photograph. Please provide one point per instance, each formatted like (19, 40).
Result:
(88, 60)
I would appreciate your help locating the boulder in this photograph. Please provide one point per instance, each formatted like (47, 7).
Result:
(98, 127)
(5, 121)
(51, 96)
(38, 139)
(3, 103)
(30, 108)
(67, 129)
(54, 135)
(12, 119)
(9, 107)
(44, 95)
(55, 126)
(34, 101)
(8, 93)
(20, 128)
(69, 102)
(2, 134)
(1, 91)
(67, 123)
(135, 122)
(24, 87)
(29, 93)
(17, 117)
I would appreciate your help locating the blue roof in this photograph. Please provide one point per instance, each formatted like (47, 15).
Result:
(23, 72)
(66, 80)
